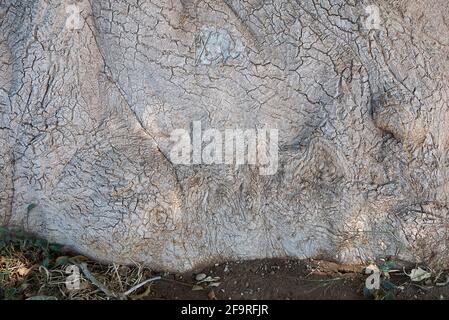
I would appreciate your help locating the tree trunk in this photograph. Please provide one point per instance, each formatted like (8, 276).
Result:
(91, 93)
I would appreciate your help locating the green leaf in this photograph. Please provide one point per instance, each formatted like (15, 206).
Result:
(387, 285)
(46, 262)
(62, 260)
(11, 294)
(41, 243)
(19, 234)
(419, 274)
(367, 293)
(55, 247)
(387, 266)
(3, 231)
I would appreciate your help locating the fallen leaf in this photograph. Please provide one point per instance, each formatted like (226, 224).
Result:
(417, 275)
(197, 288)
(78, 259)
(214, 284)
(200, 277)
(211, 295)
(23, 271)
(210, 279)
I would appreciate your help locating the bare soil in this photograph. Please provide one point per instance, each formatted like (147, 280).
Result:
(287, 279)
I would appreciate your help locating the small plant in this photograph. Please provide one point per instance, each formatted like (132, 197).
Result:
(35, 269)
(11, 240)
(21, 254)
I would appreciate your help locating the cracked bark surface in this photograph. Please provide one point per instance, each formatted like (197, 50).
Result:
(363, 118)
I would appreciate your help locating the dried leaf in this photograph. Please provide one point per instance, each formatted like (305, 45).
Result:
(211, 295)
(197, 288)
(417, 275)
(210, 279)
(23, 271)
(78, 259)
(200, 277)
(214, 284)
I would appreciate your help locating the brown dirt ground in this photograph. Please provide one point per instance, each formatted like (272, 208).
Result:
(285, 279)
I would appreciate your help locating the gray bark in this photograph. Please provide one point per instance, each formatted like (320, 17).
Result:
(86, 115)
